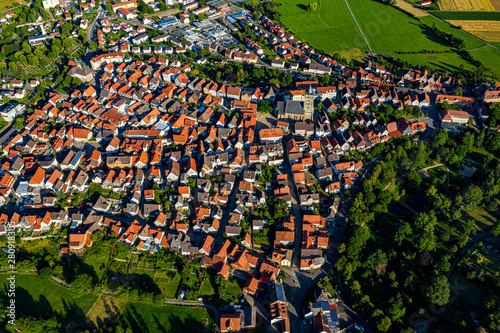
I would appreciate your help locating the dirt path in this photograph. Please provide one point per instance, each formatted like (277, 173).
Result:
(359, 28)
(424, 169)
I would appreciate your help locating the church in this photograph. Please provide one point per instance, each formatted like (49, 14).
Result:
(297, 110)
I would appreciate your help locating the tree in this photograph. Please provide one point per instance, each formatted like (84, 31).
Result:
(414, 180)
(265, 107)
(438, 290)
(33, 60)
(472, 196)
(312, 7)
(384, 324)
(402, 230)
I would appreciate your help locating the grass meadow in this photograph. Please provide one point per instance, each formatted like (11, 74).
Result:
(330, 28)
(141, 317)
(44, 298)
(470, 40)
(442, 61)
(490, 57)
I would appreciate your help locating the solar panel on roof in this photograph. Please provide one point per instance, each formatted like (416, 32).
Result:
(325, 306)
(279, 293)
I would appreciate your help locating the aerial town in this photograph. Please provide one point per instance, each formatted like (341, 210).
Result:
(199, 160)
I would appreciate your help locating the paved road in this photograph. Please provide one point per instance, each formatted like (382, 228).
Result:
(101, 13)
(298, 283)
(470, 242)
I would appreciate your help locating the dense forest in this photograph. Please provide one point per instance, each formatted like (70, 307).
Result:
(405, 231)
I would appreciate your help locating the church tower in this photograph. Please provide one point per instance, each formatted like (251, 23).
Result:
(309, 104)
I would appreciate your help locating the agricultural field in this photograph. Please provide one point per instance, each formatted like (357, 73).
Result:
(411, 9)
(487, 30)
(330, 28)
(440, 61)
(487, 16)
(141, 317)
(468, 5)
(43, 298)
(489, 57)
(389, 30)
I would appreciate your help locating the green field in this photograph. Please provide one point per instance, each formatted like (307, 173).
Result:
(168, 285)
(43, 298)
(471, 41)
(441, 61)
(98, 256)
(207, 286)
(488, 16)
(330, 28)
(489, 56)
(141, 317)
(390, 30)
(6, 4)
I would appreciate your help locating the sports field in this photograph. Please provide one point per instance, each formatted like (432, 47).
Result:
(487, 30)
(489, 57)
(330, 28)
(467, 5)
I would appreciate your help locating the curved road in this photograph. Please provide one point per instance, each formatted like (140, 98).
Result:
(470, 242)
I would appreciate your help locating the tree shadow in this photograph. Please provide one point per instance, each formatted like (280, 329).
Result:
(302, 6)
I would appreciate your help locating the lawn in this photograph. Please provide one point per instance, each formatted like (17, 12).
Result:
(6, 4)
(167, 284)
(43, 298)
(141, 317)
(103, 312)
(390, 30)
(484, 220)
(3, 123)
(207, 287)
(98, 256)
(330, 28)
(439, 172)
(466, 289)
(234, 288)
(471, 41)
(481, 156)
(440, 61)
(489, 57)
